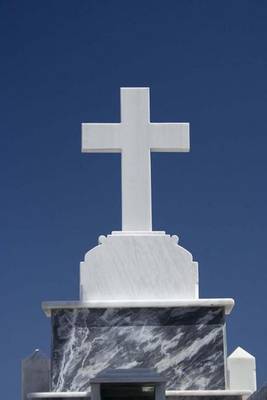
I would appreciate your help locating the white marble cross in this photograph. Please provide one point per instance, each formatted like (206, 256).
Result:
(135, 137)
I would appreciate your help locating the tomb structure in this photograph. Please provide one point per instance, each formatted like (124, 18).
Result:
(139, 329)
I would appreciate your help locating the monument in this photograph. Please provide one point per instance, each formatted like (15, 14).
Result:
(139, 329)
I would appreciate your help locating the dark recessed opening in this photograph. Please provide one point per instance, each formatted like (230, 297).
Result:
(127, 391)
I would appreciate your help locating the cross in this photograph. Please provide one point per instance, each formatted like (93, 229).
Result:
(135, 137)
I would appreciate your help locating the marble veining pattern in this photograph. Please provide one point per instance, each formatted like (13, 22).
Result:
(184, 344)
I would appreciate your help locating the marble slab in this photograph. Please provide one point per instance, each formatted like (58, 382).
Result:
(212, 397)
(147, 267)
(185, 344)
(60, 396)
(170, 395)
(226, 304)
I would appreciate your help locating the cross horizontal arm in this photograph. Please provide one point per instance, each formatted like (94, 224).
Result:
(169, 137)
(104, 138)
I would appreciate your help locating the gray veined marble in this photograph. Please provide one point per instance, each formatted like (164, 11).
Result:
(186, 345)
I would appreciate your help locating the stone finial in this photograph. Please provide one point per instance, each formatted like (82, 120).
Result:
(241, 368)
(35, 373)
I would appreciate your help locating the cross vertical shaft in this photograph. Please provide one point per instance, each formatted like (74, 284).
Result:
(135, 164)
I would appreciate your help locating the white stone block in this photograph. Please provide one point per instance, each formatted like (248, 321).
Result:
(138, 266)
(241, 370)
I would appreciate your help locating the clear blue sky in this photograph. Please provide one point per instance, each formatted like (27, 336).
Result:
(62, 62)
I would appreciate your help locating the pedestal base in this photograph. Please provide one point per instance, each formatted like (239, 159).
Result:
(185, 344)
(170, 395)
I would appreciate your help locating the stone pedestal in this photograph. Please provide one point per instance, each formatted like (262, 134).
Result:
(139, 308)
(184, 344)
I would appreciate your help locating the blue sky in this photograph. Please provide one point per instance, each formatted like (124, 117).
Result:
(62, 63)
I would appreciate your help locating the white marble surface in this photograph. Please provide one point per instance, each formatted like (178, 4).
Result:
(169, 393)
(241, 367)
(135, 137)
(57, 395)
(138, 267)
(205, 393)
